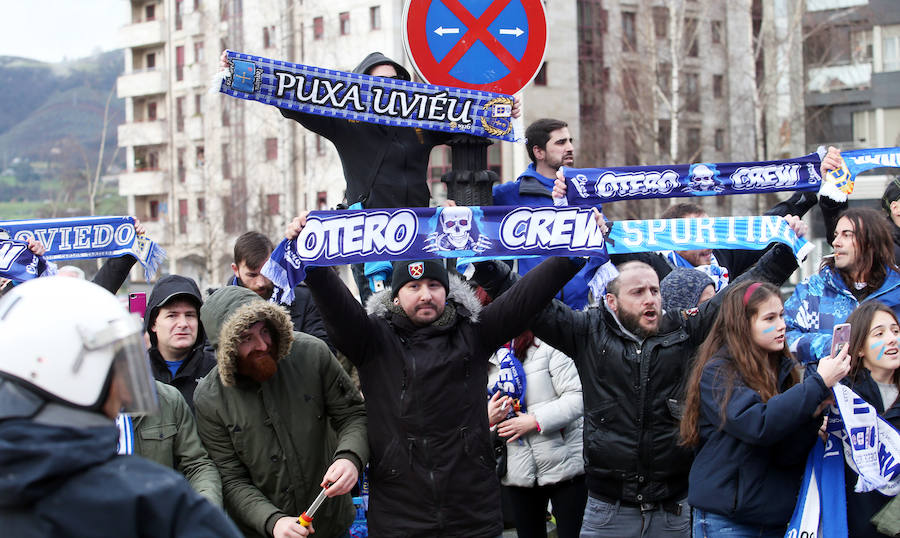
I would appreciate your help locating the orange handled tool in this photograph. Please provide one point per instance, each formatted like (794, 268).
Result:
(306, 517)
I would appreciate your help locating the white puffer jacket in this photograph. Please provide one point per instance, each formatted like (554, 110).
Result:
(553, 396)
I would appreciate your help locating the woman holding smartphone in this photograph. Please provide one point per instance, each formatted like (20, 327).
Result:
(750, 418)
(874, 367)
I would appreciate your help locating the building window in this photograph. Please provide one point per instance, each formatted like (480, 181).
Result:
(629, 32)
(198, 104)
(150, 12)
(226, 162)
(720, 139)
(692, 92)
(273, 204)
(179, 9)
(320, 146)
(230, 215)
(179, 114)
(198, 51)
(632, 156)
(715, 28)
(717, 86)
(664, 78)
(318, 27)
(891, 53)
(663, 137)
(268, 37)
(182, 215)
(692, 144)
(322, 200)
(345, 22)
(151, 60)
(630, 89)
(153, 160)
(182, 169)
(375, 18)
(271, 149)
(661, 21)
(151, 111)
(154, 209)
(226, 117)
(201, 208)
(541, 78)
(179, 62)
(200, 156)
(691, 38)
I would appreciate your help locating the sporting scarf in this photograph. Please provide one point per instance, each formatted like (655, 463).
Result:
(19, 264)
(359, 97)
(871, 445)
(821, 508)
(716, 272)
(511, 380)
(592, 186)
(125, 444)
(503, 232)
(81, 238)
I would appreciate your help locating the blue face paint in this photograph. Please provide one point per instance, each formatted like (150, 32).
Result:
(880, 352)
(770, 329)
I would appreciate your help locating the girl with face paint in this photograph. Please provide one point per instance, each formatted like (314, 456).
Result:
(875, 377)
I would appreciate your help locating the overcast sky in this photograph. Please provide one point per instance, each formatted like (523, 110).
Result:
(51, 30)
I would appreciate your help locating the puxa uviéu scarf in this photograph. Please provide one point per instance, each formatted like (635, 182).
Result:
(18, 263)
(81, 238)
(592, 186)
(354, 96)
(502, 232)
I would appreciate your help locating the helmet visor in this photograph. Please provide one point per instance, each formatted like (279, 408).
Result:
(132, 380)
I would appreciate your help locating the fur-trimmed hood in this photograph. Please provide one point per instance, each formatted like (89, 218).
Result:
(460, 300)
(232, 310)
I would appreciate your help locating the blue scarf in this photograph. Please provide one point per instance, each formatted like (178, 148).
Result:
(277, 297)
(19, 264)
(592, 186)
(89, 237)
(821, 508)
(501, 232)
(125, 444)
(511, 381)
(354, 96)
(716, 272)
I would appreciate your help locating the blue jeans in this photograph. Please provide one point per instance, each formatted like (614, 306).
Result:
(709, 525)
(602, 519)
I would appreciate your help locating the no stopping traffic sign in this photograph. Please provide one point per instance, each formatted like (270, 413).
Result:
(494, 46)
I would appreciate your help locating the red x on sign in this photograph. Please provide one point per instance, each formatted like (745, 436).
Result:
(495, 47)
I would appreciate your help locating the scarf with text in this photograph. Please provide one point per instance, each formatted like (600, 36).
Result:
(821, 508)
(511, 380)
(355, 96)
(19, 264)
(592, 186)
(503, 232)
(81, 238)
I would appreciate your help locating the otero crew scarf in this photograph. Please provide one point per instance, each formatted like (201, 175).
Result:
(89, 237)
(592, 186)
(359, 97)
(19, 264)
(498, 232)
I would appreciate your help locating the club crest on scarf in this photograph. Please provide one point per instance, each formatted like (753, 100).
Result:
(703, 179)
(245, 76)
(416, 269)
(511, 381)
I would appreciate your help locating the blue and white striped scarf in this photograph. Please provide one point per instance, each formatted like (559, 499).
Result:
(19, 264)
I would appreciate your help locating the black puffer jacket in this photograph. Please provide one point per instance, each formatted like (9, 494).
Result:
(432, 468)
(201, 358)
(633, 390)
(384, 166)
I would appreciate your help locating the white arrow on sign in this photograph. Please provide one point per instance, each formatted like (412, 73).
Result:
(441, 31)
(516, 32)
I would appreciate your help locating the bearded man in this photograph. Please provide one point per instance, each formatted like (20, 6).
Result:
(632, 359)
(280, 419)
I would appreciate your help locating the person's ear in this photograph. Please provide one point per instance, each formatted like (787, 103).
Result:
(396, 300)
(612, 302)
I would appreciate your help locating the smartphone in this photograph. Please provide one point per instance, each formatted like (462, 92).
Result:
(137, 303)
(840, 337)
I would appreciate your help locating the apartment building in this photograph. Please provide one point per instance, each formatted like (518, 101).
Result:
(203, 167)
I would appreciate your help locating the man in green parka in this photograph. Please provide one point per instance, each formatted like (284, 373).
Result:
(280, 419)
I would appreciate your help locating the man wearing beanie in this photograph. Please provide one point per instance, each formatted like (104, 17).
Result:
(422, 350)
(685, 288)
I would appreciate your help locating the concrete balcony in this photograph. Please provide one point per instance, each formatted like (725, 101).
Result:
(144, 82)
(191, 23)
(834, 78)
(142, 34)
(144, 133)
(143, 183)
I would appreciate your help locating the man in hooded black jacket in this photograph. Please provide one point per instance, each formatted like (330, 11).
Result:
(178, 352)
